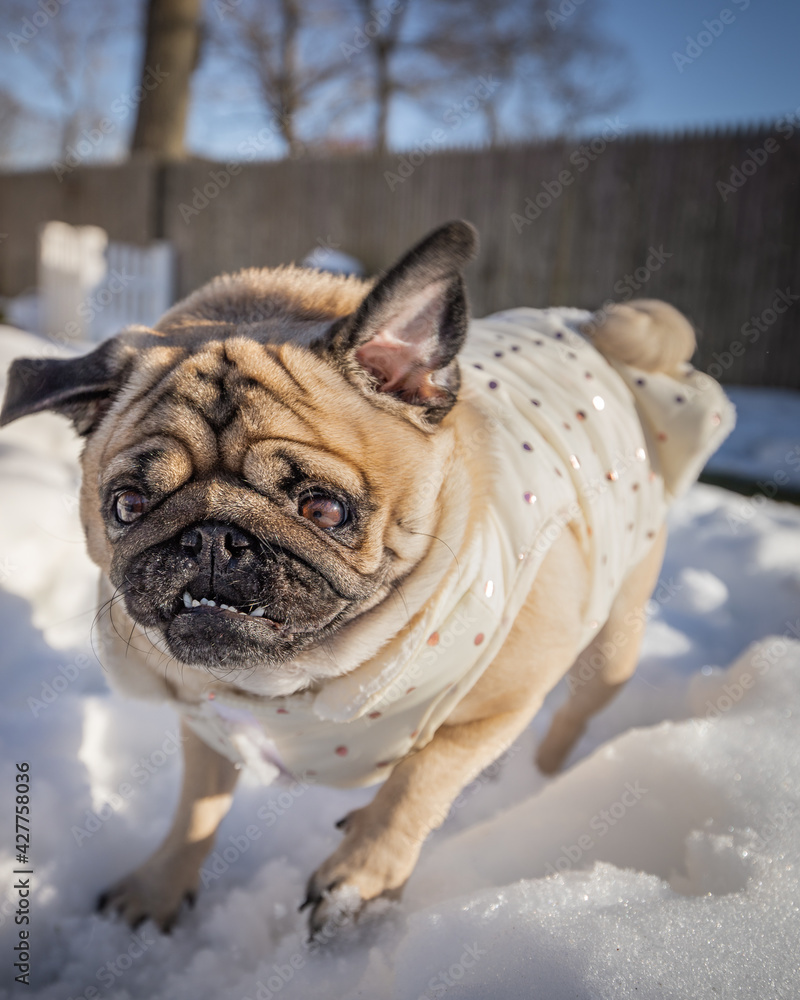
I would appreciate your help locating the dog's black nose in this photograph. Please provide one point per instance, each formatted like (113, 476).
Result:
(220, 542)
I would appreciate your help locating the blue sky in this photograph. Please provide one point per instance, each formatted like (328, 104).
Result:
(749, 73)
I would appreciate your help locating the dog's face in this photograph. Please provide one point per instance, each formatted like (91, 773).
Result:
(263, 467)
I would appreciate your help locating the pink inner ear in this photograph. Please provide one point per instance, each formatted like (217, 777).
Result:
(402, 352)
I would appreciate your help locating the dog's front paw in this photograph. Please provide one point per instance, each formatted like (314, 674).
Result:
(156, 892)
(373, 860)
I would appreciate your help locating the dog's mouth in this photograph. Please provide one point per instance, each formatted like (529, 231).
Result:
(205, 605)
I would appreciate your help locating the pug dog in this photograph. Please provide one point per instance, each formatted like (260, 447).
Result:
(355, 538)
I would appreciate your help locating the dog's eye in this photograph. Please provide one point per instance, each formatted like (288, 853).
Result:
(130, 506)
(325, 512)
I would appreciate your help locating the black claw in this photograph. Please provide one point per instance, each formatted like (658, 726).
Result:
(102, 902)
(191, 899)
(306, 902)
(342, 823)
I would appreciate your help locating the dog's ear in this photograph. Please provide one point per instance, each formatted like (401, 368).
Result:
(81, 389)
(412, 324)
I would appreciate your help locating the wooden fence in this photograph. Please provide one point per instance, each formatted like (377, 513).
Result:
(708, 222)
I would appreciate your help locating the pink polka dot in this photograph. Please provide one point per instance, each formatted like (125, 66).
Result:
(415, 734)
(433, 639)
(383, 763)
(375, 715)
(341, 751)
(282, 711)
(662, 436)
(410, 690)
(211, 696)
(479, 638)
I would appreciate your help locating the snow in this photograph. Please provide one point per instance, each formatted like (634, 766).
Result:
(765, 444)
(664, 862)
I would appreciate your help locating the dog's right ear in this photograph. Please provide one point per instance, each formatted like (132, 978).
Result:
(412, 323)
(81, 389)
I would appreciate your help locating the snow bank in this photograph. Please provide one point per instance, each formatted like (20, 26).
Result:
(663, 863)
(764, 446)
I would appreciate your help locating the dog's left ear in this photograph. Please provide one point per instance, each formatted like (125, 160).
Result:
(412, 324)
(81, 389)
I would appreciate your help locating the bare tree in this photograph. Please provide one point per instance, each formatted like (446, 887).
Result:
(53, 73)
(171, 54)
(530, 68)
(288, 50)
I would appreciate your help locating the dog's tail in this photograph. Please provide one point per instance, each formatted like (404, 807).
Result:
(644, 333)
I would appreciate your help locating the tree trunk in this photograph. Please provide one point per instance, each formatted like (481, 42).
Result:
(172, 48)
(383, 91)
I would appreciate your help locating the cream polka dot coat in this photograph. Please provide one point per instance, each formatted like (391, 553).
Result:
(558, 435)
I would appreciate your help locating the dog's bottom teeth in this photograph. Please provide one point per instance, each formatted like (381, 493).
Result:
(195, 604)
(258, 613)
(187, 599)
(225, 607)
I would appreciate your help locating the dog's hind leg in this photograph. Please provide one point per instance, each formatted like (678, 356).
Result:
(157, 889)
(606, 664)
